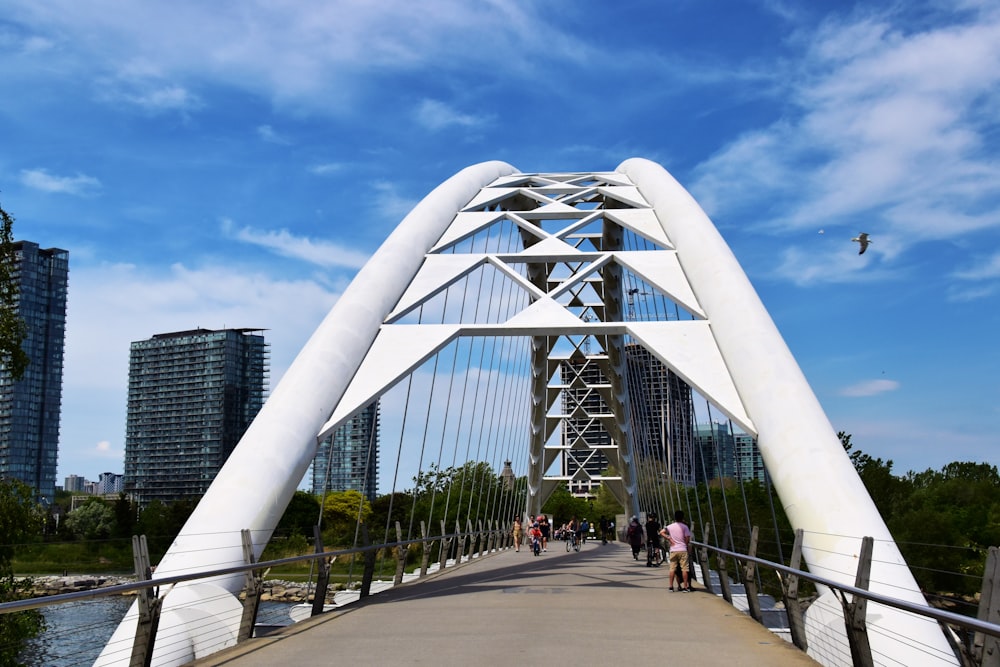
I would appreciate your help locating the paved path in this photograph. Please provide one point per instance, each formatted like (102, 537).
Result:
(598, 605)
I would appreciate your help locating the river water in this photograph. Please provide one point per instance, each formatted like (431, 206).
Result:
(77, 631)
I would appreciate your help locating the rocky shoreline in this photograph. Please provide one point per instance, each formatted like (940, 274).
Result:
(274, 590)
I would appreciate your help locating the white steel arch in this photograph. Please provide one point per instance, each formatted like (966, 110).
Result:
(570, 267)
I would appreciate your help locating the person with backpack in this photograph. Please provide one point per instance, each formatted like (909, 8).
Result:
(584, 531)
(634, 534)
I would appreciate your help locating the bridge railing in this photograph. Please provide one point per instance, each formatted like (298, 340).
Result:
(454, 548)
(976, 641)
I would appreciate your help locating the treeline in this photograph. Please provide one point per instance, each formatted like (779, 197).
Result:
(944, 521)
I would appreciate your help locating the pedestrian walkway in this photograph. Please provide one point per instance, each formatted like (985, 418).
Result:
(593, 606)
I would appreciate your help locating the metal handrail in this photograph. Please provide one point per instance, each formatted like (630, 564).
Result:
(968, 622)
(59, 598)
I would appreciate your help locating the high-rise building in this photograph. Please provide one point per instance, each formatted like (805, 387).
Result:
(348, 459)
(74, 483)
(110, 482)
(191, 396)
(716, 456)
(748, 461)
(662, 415)
(662, 418)
(30, 408)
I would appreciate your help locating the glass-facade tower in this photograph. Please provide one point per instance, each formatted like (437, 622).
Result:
(191, 396)
(30, 408)
(662, 415)
(348, 459)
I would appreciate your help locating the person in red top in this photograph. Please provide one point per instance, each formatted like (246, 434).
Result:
(679, 536)
(535, 535)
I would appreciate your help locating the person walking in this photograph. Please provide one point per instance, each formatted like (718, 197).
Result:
(517, 532)
(634, 536)
(679, 536)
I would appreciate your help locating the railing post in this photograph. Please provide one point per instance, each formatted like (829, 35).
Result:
(445, 547)
(149, 606)
(322, 575)
(425, 546)
(459, 545)
(369, 571)
(856, 610)
(986, 648)
(727, 593)
(252, 587)
(400, 557)
(491, 536)
(482, 538)
(790, 591)
(750, 578)
(472, 544)
(706, 569)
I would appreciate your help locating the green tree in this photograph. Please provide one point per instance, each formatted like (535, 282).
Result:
(391, 507)
(885, 488)
(20, 519)
(125, 516)
(469, 491)
(946, 524)
(342, 511)
(563, 505)
(13, 330)
(93, 520)
(300, 516)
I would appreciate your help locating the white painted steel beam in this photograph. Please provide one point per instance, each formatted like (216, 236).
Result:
(819, 488)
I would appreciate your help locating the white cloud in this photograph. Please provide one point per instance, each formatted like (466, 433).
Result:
(959, 294)
(435, 115)
(887, 128)
(313, 56)
(104, 450)
(869, 388)
(268, 134)
(986, 269)
(41, 179)
(164, 98)
(142, 83)
(392, 205)
(282, 242)
(326, 168)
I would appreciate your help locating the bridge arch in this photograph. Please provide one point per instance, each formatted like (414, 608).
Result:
(571, 273)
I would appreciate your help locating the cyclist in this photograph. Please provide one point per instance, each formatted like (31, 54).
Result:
(543, 525)
(573, 533)
(535, 535)
(653, 554)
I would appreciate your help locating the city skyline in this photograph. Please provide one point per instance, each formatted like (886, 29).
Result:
(219, 167)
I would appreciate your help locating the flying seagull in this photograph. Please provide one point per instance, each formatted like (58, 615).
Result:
(863, 239)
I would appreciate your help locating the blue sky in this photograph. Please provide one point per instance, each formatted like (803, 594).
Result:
(234, 164)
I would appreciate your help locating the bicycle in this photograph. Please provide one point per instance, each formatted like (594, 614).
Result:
(572, 542)
(656, 555)
(536, 545)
